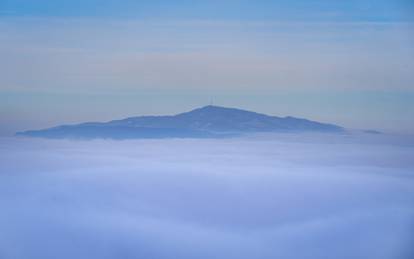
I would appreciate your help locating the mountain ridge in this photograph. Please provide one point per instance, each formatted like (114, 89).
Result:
(204, 122)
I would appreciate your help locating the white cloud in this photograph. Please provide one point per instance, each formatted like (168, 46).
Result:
(286, 196)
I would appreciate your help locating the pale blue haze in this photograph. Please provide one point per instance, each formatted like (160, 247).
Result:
(343, 62)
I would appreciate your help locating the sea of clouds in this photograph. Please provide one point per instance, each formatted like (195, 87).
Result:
(285, 196)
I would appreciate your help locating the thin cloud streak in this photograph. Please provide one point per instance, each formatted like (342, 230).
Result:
(140, 55)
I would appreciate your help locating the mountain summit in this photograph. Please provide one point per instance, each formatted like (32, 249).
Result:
(204, 122)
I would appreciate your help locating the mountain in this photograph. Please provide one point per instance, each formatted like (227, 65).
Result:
(206, 122)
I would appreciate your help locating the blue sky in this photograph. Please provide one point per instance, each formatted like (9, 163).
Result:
(328, 10)
(346, 62)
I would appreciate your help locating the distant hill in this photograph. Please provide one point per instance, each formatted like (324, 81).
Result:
(206, 122)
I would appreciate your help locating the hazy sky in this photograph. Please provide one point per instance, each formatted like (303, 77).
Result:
(345, 62)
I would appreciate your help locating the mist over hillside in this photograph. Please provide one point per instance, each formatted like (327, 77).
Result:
(288, 196)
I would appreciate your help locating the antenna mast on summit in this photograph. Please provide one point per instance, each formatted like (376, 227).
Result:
(211, 101)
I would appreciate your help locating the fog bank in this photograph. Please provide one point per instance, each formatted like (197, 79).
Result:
(268, 196)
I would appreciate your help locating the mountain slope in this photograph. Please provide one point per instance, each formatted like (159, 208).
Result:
(205, 122)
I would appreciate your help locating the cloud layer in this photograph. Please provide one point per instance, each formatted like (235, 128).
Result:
(286, 196)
